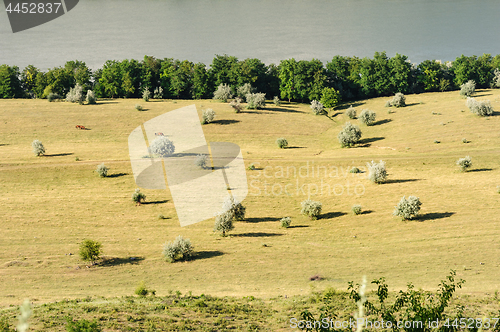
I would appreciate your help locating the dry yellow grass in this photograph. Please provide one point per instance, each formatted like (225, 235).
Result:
(50, 204)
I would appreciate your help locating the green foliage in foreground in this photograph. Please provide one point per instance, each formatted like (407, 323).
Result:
(177, 312)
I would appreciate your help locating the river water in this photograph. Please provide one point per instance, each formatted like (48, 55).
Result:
(99, 30)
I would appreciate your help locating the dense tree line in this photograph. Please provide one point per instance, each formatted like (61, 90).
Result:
(354, 78)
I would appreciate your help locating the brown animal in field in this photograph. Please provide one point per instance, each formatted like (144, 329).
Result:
(80, 127)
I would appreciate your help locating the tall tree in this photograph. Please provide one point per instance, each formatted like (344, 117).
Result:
(10, 85)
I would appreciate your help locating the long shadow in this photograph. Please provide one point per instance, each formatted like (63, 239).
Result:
(256, 234)
(205, 254)
(408, 105)
(346, 106)
(58, 155)
(331, 215)
(155, 202)
(226, 122)
(335, 114)
(263, 219)
(283, 110)
(495, 113)
(401, 180)
(299, 226)
(3, 144)
(380, 122)
(434, 215)
(370, 140)
(117, 175)
(482, 95)
(367, 212)
(106, 102)
(296, 147)
(481, 170)
(115, 261)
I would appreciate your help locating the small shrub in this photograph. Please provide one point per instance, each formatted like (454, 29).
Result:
(90, 251)
(243, 90)
(464, 163)
(436, 141)
(444, 85)
(481, 108)
(276, 101)
(75, 95)
(233, 205)
(38, 148)
(161, 216)
(224, 222)
(468, 89)
(53, 96)
(464, 140)
(282, 143)
(77, 159)
(256, 100)
(354, 170)
(161, 147)
(495, 81)
(349, 136)
(408, 208)
(388, 104)
(208, 116)
(102, 170)
(317, 107)
(146, 94)
(138, 197)
(251, 167)
(82, 325)
(139, 108)
(142, 290)
(285, 222)
(158, 93)
(356, 209)
(399, 100)
(377, 172)
(312, 209)
(236, 105)
(201, 160)
(351, 112)
(367, 117)
(91, 99)
(179, 249)
(223, 93)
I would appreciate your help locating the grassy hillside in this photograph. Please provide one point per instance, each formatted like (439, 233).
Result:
(50, 204)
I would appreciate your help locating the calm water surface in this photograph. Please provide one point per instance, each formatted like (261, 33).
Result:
(196, 30)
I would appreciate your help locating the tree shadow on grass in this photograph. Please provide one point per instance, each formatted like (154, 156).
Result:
(263, 219)
(296, 147)
(256, 234)
(482, 95)
(370, 140)
(331, 215)
(116, 261)
(380, 122)
(346, 106)
(434, 215)
(298, 226)
(408, 105)
(279, 109)
(401, 181)
(58, 155)
(225, 122)
(3, 144)
(480, 170)
(367, 212)
(205, 254)
(117, 175)
(155, 202)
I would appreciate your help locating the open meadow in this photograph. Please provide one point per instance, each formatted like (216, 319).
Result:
(49, 204)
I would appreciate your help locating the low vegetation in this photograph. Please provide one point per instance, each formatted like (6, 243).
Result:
(90, 251)
(349, 136)
(178, 250)
(208, 116)
(408, 208)
(311, 208)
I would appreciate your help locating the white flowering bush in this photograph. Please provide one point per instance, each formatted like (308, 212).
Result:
(138, 197)
(479, 107)
(312, 209)
(276, 101)
(224, 222)
(146, 94)
(495, 81)
(179, 249)
(282, 143)
(236, 208)
(161, 147)
(464, 163)
(256, 100)
(349, 136)
(351, 112)
(356, 209)
(158, 93)
(75, 94)
(243, 90)
(407, 208)
(223, 93)
(285, 222)
(102, 170)
(38, 148)
(208, 116)
(367, 117)
(91, 99)
(377, 172)
(201, 160)
(317, 107)
(399, 100)
(236, 105)
(468, 89)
